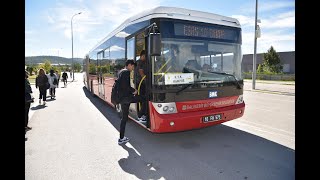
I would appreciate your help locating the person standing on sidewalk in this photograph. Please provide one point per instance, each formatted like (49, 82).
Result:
(65, 78)
(53, 81)
(43, 84)
(126, 95)
(28, 101)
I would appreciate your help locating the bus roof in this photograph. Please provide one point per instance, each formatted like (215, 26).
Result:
(173, 13)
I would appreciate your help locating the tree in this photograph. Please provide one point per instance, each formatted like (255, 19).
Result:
(104, 69)
(46, 66)
(77, 67)
(260, 68)
(92, 68)
(271, 61)
(31, 68)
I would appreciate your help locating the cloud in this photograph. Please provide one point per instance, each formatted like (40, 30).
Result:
(29, 32)
(269, 6)
(280, 40)
(122, 34)
(244, 20)
(116, 48)
(282, 20)
(96, 15)
(266, 6)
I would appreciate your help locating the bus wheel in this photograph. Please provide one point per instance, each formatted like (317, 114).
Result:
(119, 111)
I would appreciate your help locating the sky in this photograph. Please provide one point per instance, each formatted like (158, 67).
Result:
(48, 23)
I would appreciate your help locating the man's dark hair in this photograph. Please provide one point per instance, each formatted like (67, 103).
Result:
(130, 61)
(143, 52)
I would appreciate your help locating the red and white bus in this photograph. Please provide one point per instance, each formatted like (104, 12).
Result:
(203, 87)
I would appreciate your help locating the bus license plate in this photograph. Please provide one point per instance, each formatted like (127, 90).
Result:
(211, 118)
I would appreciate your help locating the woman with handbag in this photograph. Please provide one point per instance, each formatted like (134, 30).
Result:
(28, 100)
(43, 84)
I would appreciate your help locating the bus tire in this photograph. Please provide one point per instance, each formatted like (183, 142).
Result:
(119, 111)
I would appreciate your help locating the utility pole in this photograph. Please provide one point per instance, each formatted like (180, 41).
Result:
(255, 50)
(72, 66)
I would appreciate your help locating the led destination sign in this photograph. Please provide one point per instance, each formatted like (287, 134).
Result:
(206, 32)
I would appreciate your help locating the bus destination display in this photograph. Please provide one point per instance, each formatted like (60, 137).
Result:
(205, 32)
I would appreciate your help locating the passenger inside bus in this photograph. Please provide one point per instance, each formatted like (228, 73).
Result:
(174, 65)
(205, 67)
(169, 62)
(142, 106)
(193, 64)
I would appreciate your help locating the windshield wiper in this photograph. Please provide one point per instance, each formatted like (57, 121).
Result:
(188, 85)
(223, 73)
(180, 90)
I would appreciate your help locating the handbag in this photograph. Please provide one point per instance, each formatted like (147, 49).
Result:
(47, 85)
(55, 81)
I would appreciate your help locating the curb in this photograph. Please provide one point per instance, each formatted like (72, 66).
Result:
(271, 92)
(272, 82)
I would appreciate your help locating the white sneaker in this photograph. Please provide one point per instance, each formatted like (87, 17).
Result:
(44, 103)
(143, 118)
(123, 140)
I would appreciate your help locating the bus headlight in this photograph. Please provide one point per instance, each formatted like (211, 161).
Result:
(171, 109)
(240, 99)
(165, 108)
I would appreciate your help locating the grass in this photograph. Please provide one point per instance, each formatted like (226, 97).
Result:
(32, 79)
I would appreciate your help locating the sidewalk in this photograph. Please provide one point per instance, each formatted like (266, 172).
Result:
(35, 105)
(273, 87)
(271, 82)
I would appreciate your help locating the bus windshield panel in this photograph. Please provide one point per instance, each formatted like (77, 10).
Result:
(195, 53)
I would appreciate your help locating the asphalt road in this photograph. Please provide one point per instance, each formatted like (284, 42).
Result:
(75, 137)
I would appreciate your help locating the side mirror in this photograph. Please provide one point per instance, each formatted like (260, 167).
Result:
(154, 44)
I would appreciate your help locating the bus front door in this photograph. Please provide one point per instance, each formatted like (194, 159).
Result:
(101, 86)
(130, 54)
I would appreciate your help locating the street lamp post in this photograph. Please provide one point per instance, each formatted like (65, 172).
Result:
(255, 50)
(72, 67)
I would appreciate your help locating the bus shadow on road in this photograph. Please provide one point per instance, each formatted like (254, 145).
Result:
(217, 152)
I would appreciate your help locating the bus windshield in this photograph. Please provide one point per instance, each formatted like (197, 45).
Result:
(185, 61)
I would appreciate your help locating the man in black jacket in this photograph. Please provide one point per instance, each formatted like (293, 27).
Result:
(127, 96)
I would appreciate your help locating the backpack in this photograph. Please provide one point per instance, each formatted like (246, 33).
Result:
(115, 96)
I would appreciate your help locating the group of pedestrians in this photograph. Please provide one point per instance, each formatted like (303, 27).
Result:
(43, 82)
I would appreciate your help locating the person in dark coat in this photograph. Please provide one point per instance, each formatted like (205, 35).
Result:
(28, 101)
(43, 84)
(127, 95)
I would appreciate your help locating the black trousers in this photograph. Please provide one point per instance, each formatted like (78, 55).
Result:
(143, 110)
(58, 82)
(125, 104)
(64, 81)
(52, 91)
(43, 93)
(26, 113)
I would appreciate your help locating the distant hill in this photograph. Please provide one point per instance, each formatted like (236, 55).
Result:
(52, 59)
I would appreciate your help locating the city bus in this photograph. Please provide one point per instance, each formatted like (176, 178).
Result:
(193, 62)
